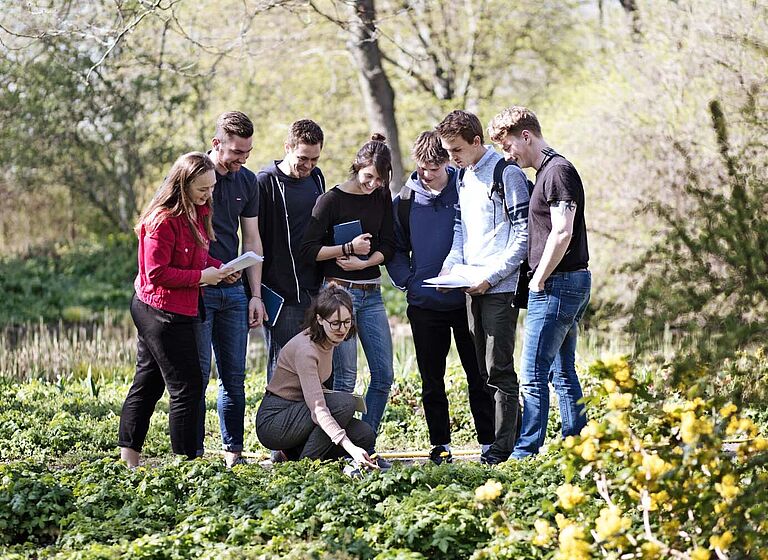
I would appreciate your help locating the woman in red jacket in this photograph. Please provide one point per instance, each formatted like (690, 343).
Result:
(174, 232)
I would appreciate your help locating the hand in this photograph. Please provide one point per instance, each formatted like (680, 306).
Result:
(479, 289)
(361, 457)
(351, 263)
(536, 285)
(257, 313)
(361, 244)
(234, 277)
(213, 276)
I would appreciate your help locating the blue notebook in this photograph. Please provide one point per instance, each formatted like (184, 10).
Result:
(346, 232)
(273, 303)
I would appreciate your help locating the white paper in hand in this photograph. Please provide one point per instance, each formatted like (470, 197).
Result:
(460, 276)
(244, 261)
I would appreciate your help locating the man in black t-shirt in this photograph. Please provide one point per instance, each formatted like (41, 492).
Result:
(560, 285)
(229, 312)
(288, 190)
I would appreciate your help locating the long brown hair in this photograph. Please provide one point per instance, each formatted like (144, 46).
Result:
(172, 198)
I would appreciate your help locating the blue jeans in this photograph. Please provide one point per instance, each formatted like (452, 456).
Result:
(549, 354)
(373, 330)
(226, 327)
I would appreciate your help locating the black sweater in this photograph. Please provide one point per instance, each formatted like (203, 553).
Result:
(337, 207)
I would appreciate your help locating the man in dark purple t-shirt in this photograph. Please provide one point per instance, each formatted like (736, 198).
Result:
(561, 283)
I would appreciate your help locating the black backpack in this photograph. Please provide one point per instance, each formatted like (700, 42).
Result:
(521, 295)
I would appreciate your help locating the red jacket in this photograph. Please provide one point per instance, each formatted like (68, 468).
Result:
(171, 263)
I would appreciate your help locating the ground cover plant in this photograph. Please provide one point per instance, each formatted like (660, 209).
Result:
(648, 478)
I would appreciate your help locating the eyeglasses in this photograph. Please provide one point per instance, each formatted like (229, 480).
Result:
(339, 325)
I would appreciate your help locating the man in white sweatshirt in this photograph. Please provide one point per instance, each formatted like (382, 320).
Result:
(491, 237)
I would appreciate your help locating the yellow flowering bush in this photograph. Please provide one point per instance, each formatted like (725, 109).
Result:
(653, 475)
(488, 491)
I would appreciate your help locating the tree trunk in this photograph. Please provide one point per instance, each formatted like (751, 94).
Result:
(378, 95)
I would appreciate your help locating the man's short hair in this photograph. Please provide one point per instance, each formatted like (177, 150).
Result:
(461, 123)
(428, 149)
(513, 120)
(305, 131)
(233, 123)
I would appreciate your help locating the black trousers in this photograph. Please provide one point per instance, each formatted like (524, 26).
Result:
(288, 425)
(493, 321)
(432, 339)
(166, 357)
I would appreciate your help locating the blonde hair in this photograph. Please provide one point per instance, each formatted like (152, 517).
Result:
(513, 120)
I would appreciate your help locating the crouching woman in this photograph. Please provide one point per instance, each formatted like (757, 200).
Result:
(295, 415)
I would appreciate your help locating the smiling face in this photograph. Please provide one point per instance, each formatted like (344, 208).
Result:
(432, 175)
(518, 148)
(368, 179)
(302, 159)
(200, 190)
(463, 153)
(336, 326)
(231, 153)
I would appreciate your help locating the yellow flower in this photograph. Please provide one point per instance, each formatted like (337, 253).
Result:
(654, 466)
(589, 451)
(760, 444)
(728, 409)
(691, 427)
(570, 496)
(651, 550)
(544, 532)
(727, 487)
(562, 521)
(569, 442)
(610, 385)
(671, 407)
(488, 491)
(700, 554)
(610, 522)
(659, 498)
(572, 544)
(721, 541)
(619, 401)
(591, 430)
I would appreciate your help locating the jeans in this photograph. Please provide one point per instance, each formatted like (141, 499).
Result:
(226, 327)
(166, 356)
(288, 325)
(288, 425)
(373, 331)
(549, 354)
(493, 322)
(432, 340)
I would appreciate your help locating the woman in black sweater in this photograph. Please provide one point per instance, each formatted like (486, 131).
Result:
(354, 265)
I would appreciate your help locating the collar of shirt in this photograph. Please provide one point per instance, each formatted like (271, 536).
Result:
(489, 151)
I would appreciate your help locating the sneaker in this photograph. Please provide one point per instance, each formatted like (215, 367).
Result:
(240, 460)
(383, 464)
(278, 456)
(489, 458)
(352, 469)
(440, 455)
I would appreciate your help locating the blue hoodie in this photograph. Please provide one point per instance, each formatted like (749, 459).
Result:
(431, 222)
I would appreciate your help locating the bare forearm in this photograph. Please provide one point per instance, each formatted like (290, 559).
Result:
(554, 251)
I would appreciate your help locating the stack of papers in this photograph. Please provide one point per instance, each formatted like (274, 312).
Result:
(460, 276)
(244, 261)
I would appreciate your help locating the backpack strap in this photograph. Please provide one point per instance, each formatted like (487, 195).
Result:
(404, 212)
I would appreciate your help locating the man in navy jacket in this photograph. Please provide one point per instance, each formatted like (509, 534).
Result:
(424, 213)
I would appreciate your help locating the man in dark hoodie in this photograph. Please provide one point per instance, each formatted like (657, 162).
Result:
(288, 190)
(424, 214)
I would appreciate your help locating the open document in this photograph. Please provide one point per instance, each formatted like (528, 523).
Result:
(460, 276)
(244, 261)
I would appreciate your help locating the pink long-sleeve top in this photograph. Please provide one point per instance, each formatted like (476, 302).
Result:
(171, 262)
(302, 368)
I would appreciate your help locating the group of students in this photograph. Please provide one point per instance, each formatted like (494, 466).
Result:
(482, 219)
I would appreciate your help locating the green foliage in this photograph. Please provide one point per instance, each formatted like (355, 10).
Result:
(68, 282)
(706, 278)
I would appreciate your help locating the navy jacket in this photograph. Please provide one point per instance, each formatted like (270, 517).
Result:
(431, 223)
